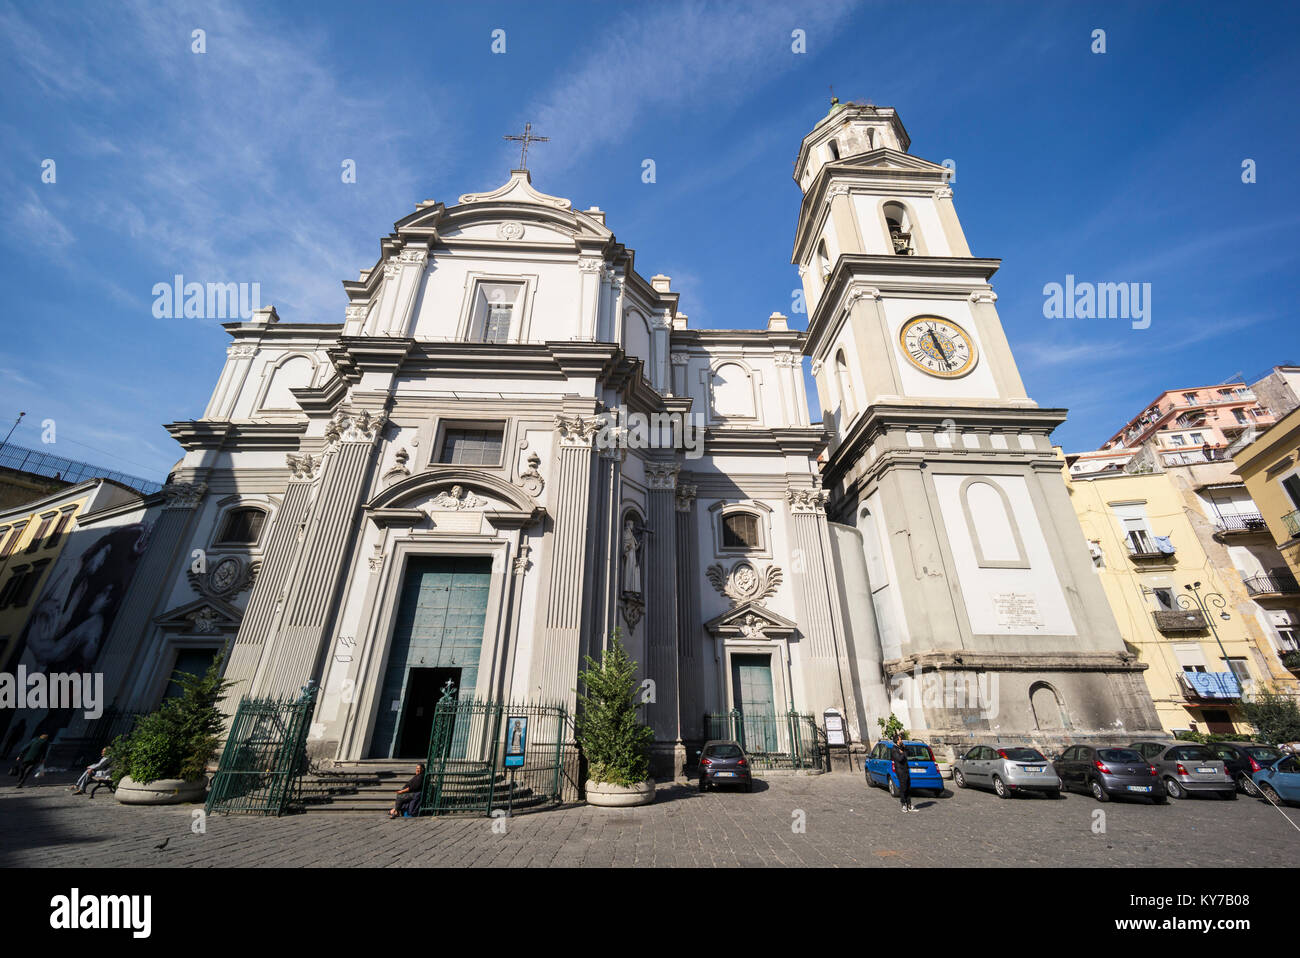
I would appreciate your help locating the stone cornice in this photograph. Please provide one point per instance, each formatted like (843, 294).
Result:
(213, 435)
(1016, 662)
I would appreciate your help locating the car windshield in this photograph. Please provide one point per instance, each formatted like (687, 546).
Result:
(1264, 755)
(1289, 765)
(1120, 755)
(1023, 754)
(723, 751)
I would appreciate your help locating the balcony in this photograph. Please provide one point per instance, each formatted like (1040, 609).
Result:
(1210, 686)
(1292, 522)
(1179, 620)
(1242, 524)
(1270, 585)
(1144, 546)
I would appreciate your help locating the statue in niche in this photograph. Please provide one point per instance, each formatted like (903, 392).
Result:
(631, 558)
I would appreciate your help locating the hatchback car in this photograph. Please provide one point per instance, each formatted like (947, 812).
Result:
(1188, 769)
(724, 763)
(1280, 781)
(1244, 759)
(1107, 772)
(923, 770)
(1007, 770)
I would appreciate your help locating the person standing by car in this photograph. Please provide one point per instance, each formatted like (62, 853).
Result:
(902, 773)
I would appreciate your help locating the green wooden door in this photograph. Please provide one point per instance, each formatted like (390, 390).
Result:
(439, 625)
(751, 683)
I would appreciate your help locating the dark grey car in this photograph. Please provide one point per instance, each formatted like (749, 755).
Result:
(1007, 769)
(1188, 769)
(1109, 772)
(724, 763)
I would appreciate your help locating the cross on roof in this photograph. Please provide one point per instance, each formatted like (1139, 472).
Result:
(526, 139)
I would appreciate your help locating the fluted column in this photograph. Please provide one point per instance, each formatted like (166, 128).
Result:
(660, 586)
(823, 651)
(294, 655)
(690, 654)
(554, 668)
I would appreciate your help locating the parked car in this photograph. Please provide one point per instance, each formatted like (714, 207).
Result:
(1007, 770)
(1244, 759)
(724, 763)
(1280, 781)
(1187, 768)
(1106, 772)
(922, 767)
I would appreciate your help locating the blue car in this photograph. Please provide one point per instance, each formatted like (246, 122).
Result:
(879, 767)
(1280, 780)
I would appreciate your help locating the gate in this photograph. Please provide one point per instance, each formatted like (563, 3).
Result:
(465, 773)
(261, 767)
(789, 741)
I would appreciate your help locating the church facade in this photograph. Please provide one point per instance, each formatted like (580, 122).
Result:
(514, 444)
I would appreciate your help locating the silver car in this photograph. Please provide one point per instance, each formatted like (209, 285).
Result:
(1187, 768)
(1007, 770)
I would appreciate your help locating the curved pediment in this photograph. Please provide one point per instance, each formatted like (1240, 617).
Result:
(454, 489)
(518, 189)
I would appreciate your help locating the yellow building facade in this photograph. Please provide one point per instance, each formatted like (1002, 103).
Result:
(1186, 619)
(1270, 468)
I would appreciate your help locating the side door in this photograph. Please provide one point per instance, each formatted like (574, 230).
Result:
(873, 764)
(1074, 766)
(983, 765)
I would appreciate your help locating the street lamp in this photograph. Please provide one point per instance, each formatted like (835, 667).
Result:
(1199, 602)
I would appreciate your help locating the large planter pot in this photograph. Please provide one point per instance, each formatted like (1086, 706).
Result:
(162, 791)
(606, 795)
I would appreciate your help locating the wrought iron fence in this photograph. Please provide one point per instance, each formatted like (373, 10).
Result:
(261, 767)
(789, 741)
(467, 771)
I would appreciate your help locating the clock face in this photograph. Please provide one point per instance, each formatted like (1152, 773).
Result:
(937, 346)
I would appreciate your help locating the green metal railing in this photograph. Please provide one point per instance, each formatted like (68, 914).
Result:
(261, 767)
(790, 741)
(466, 773)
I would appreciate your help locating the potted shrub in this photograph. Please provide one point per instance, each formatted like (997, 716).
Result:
(163, 760)
(615, 742)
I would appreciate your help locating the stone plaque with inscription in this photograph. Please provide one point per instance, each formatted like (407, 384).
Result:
(1017, 610)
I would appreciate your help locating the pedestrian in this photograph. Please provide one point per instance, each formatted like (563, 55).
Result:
(409, 796)
(98, 771)
(902, 773)
(31, 756)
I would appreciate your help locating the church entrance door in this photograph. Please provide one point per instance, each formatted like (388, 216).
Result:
(751, 684)
(423, 689)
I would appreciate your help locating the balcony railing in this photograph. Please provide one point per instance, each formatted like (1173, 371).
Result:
(1244, 522)
(1210, 685)
(1144, 546)
(1272, 585)
(1178, 620)
(1292, 522)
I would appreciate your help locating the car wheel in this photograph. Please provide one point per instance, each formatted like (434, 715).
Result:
(1247, 785)
(893, 789)
(1270, 793)
(959, 778)
(1174, 789)
(1000, 787)
(1098, 792)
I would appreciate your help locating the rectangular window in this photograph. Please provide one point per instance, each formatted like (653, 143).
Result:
(493, 313)
(1164, 599)
(497, 327)
(1190, 398)
(1239, 668)
(471, 447)
(1197, 438)
(11, 587)
(1292, 486)
(1177, 441)
(59, 528)
(1239, 415)
(39, 534)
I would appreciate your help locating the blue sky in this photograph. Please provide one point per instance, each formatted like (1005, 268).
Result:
(1115, 167)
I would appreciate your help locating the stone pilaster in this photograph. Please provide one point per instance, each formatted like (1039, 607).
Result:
(660, 584)
(554, 668)
(315, 579)
(823, 655)
(690, 668)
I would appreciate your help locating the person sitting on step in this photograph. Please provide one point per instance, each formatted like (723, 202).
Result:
(409, 796)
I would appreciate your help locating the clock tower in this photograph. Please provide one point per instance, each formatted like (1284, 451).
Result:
(989, 619)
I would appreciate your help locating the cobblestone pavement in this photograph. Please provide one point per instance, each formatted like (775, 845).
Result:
(846, 824)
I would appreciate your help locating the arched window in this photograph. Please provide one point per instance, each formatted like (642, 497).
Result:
(834, 147)
(292, 373)
(900, 229)
(241, 527)
(823, 259)
(733, 391)
(1047, 708)
(844, 383)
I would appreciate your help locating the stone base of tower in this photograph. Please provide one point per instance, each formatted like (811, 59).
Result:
(955, 700)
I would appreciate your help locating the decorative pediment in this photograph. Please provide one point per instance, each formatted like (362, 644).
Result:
(457, 490)
(206, 616)
(750, 621)
(518, 189)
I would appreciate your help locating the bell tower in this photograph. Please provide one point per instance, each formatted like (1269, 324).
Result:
(990, 620)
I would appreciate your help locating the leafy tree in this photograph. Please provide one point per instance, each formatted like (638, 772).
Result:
(1276, 716)
(177, 740)
(615, 742)
(891, 727)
